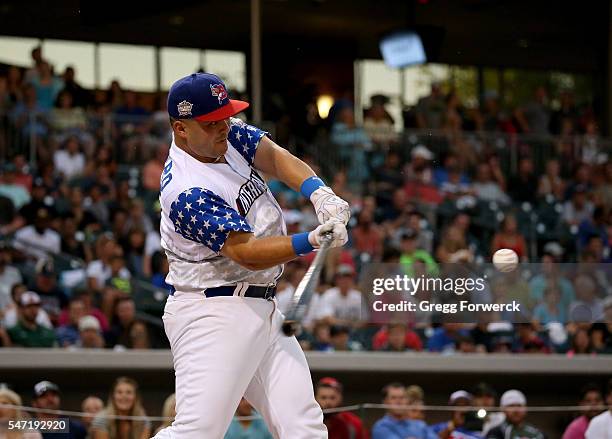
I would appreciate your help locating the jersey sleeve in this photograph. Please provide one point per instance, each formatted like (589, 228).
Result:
(245, 138)
(202, 216)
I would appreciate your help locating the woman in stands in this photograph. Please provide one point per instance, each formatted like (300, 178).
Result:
(124, 400)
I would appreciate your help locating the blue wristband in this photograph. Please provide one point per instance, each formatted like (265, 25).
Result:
(300, 243)
(310, 185)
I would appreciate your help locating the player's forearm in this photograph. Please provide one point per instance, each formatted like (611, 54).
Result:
(259, 254)
(291, 170)
(281, 164)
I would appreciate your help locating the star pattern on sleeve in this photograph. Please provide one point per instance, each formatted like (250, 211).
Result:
(245, 138)
(202, 216)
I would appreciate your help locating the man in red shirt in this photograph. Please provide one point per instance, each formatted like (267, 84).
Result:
(341, 425)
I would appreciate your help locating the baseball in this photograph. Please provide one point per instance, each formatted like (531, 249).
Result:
(505, 260)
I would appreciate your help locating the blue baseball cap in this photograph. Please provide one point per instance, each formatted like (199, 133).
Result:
(203, 97)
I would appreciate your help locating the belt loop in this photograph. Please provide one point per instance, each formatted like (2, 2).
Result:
(241, 288)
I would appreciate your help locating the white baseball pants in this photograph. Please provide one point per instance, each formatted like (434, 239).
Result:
(228, 347)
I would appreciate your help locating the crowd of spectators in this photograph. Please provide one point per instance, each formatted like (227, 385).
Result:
(476, 414)
(81, 264)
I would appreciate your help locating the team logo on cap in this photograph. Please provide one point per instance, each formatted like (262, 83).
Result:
(184, 108)
(218, 90)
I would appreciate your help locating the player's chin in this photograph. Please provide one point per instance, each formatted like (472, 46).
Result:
(220, 146)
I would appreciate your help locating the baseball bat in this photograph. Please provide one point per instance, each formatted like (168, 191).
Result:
(305, 289)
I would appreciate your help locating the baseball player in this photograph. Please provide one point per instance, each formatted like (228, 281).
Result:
(225, 239)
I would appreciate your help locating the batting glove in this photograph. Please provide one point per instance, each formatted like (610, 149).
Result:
(337, 230)
(330, 206)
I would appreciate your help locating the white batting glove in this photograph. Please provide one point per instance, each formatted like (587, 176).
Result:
(337, 229)
(330, 206)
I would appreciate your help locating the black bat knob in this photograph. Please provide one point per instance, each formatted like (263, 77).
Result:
(290, 328)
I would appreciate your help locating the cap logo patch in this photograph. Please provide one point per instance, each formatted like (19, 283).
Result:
(218, 90)
(184, 108)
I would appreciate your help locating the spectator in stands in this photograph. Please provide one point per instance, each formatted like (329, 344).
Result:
(367, 237)
(47, 86)
(463, 424)
(340, 339)
(168, 412)
(134, 251)
(601, 425)
(388, 177)
(37, 240)
(90, 334)
(70, 161)
(153, 168)
(124, 400)
(551, 182)
(412, 255)
(340, 425)
(551, 276)
(587, 307)
(123, 317)
(514, 427)
(28, 333)
(452, 182)
(444, 338)
(92, 405)
(87, 299)
(81, 97)
(247, 428)
(534, 117)
(353, 142)
(378, 123)
(45, 284)
(485, 397)
(342, 304)
(28, 116)
(11, 314)
(528, 341)
(551, 309)
(47, 397)
(73, 239)
(396, 337)
(495, 119)
(487, 188)
(580, 343)
(394, 424)
(430, 109)
(416, 400)
(591, 400)
(9, 276)
(510, 237)
(453, 247)
(139, 336)
(419, 168)
(578, 208)
(99, 271)
(10, 189)
(321, 337)
(521, 186)
(68, 334)
(9, 397)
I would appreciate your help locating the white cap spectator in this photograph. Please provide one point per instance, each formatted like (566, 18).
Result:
(29, 298)
(89, 322)
(513, 397)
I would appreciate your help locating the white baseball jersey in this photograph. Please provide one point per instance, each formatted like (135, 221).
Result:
(203, 202)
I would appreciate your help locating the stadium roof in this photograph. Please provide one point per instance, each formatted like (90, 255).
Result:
(560, 35)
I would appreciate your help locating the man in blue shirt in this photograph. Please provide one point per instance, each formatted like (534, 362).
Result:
(459, 427)
(394, 424)
(443, 338)
(247, 429)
